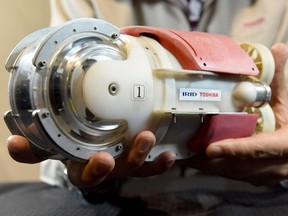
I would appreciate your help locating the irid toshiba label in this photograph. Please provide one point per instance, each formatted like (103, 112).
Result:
(192, 94)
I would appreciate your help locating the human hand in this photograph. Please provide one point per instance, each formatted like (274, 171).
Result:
(261, 159)
(102, 165)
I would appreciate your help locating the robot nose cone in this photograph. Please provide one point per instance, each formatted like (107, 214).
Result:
(101, 89)
(251, 94)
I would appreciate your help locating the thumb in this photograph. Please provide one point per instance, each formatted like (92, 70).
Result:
(279, 101)
(20, 150)
(265, 145)
(280, 54)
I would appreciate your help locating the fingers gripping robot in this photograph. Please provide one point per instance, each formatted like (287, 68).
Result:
(87, 86)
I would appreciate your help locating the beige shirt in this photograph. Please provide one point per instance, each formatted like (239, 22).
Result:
(263, 22)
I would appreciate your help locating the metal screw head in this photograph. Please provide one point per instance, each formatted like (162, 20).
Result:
(118, 148)
(114, 36)
(42, 64)
(113, 88)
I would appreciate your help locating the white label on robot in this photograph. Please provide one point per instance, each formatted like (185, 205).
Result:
(199, 94)
(139, 92)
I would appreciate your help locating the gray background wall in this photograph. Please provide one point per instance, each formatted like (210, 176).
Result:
(18, 18)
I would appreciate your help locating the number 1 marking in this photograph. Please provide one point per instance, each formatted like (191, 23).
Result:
(139, 92)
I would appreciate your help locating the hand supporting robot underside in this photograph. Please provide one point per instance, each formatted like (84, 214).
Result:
(87, 86)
